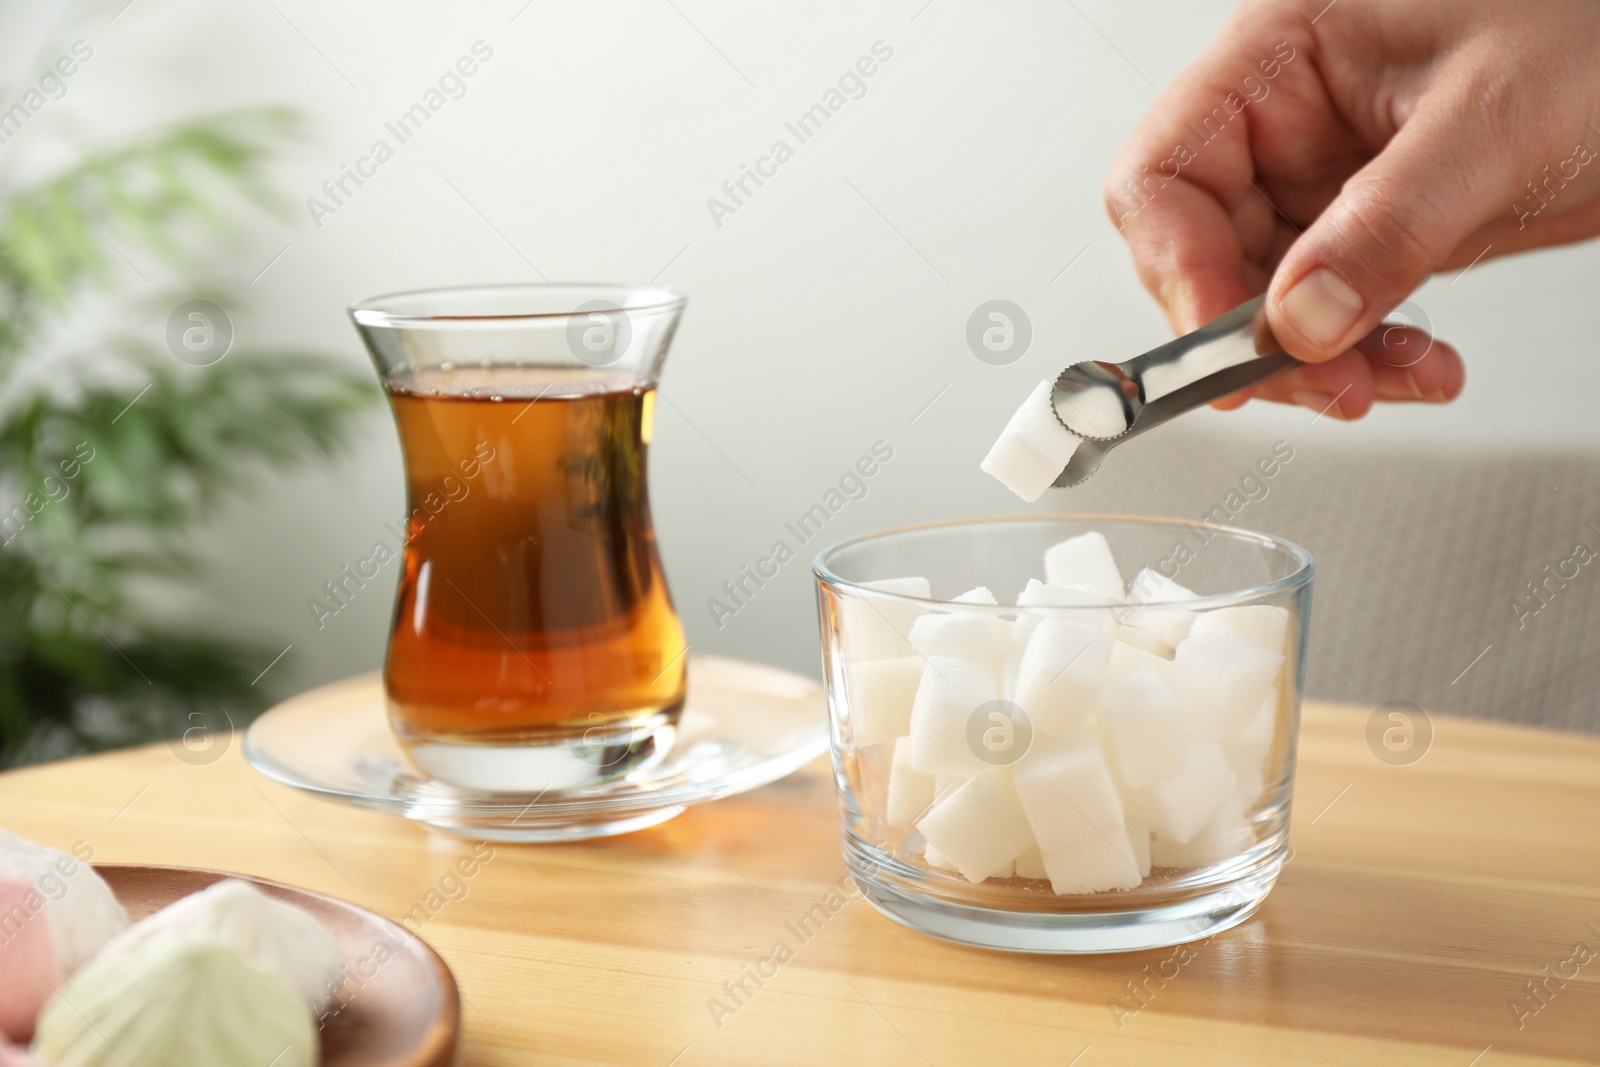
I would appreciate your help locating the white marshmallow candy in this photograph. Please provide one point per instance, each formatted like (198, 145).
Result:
(269, 934)
(79, 908)
(1262, 623)
(980, 828)
(950, 692)
(1060, 674)
(878, 693)
(1225, 836)
(960, 634)
(872, 627)
(1147, 737)
(1033, 449)
(1220, 679)
(1095, 864)
(1068, 795)
(1084, 560)
(1179, 807)
(1247, 750)
(910, 790)
(1168, 623)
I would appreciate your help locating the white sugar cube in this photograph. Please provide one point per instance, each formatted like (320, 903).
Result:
(1092, 606)
(1012, 663)
(963, 634)
(1068, 795)
(1247, 750)
(874, 627)
(910, 790)
(1225, 836)
(980, 828)
(1177, 808)
(1148, 741)
(1094, 865)
(937, 859)
(1264, 624)
(950, 693)
(1157, 630)
(1220, 678)
(1030, 864)
(878, 693)
(945, 783)
(1140, 838)
(1126, 656)
(1144, 641)
(1084, 560)
(1150, 586)
(1060, 674)
(1161, 618)
(1033, 449)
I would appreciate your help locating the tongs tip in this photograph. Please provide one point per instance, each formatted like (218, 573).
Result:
(1096, 401)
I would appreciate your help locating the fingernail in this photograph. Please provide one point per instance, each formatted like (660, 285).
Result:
(1318, 402)
(1403, 391)
(1322, 306)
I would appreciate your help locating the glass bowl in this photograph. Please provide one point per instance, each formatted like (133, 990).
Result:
(1093, 752)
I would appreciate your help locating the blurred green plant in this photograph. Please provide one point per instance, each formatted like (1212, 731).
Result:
(101, 484)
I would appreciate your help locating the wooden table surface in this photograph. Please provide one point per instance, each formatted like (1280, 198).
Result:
(1420, 903)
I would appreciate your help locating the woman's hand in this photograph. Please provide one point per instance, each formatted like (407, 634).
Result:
(1336, 155)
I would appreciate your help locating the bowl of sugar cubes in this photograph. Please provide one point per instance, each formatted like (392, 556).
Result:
(1065, 733)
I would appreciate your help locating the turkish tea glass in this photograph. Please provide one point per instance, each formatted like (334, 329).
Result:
(534, 644)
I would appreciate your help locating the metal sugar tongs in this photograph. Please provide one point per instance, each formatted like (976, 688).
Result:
(1109, 403)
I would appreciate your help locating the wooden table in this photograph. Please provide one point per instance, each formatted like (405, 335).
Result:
(1420, 902)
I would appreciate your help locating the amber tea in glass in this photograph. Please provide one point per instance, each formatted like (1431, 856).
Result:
(534, 644)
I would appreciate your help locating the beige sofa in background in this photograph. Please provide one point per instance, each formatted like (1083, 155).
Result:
(1462, 583)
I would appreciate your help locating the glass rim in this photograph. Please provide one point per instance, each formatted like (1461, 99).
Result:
(1301, 576)
(371, 311)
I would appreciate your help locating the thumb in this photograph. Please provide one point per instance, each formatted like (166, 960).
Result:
(1393, 224)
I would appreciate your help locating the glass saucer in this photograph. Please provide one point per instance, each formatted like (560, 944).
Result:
(744, 725)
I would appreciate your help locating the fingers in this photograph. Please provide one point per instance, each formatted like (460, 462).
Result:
(1188, 253)
(1408, 366)
(1207, 220)
(1394, 223)
(1393, 363)
(1235, 401)
(1181, 191)
(1341, 388)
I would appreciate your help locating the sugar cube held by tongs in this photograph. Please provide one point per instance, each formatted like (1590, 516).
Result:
(1066, 427)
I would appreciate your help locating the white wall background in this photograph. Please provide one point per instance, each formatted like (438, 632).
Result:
(823, 316)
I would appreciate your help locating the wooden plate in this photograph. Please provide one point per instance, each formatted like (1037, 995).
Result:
(398, 1006)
